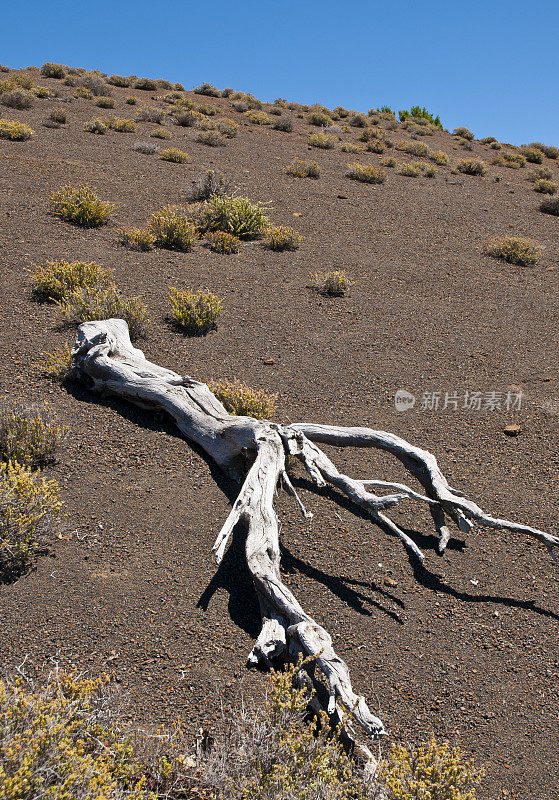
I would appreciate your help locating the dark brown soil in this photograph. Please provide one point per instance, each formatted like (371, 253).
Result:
(467, 647)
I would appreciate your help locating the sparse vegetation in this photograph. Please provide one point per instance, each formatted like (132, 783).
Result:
(540, 173)
(365, 173)
(322, 140)
(57, 279)
(258, 118)
(131, 100)
(471, 167)
(97, 302)
(105, 102)
(145, 84)
(155, 115)
(439, 157)
(81, 206)
(175, 155)
(15, 131)
(147, 148)
(119, 80)
(550, 152)
(514, 250)
(17, 98)
(137, 239)
(208, 90)
(231, 214)
(488, 140)
(49, 70)
(57, 365)
(29, 435)
(545, 187)
(351, 147)
(122, 125)
(550, 206)
(227, 128)
(320, 119)
(161, 133)
(172, 228)
(532, 154)
(211, 138)
(282, 238)
(242, 401)
(58, 115)
(376, 146)
(283, 124)
(304, 169)
(508, 158)
(333, 284)
(358, 121)
(194, 312)
(221, 242)
(413, 148)
(209, 184)
(412, 170)
(98, 126)
(464, 133)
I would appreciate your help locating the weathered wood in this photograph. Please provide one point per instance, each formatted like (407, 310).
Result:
(104, 358)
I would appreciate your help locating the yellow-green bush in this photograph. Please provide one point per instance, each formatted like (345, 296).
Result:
(207, 89)
(80, 205)
(131, 100)
(194, 312)
(98, 302)
(514, 249)
(58, 278)
(122, 125)
(58, 364)
(412, 170)
(464, 133)
(320, 119)
(30, 509)
(550, 152)
(221, 242)
(83, 92)
(161, 133)
(471, 167)
(96, 125)
(137, 239)
(258, 118)
(15, 131)
(242, 401)
(545, 187)
(532, 154)
(172, 228)
(281, 238)
(43, 92)
(105, 102)
(227, 128)
(540, 173)
(211, 138)
(231, 214)
(29, 435)
(334, 284)
(351, 147)
(365, 173)
(304, 169)
(413, 148)
(50, 70)
(439, 157)
(58, 115)
(358, 121)
(174, 155)
(322, 140)
(508, 158)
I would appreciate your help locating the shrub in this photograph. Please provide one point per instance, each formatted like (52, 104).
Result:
(80, 206)
(545, 186)
(320, 119)
(58, 278)
(259, 118)
(17, 98)
(495, 146)
(221, 242)
(119, 80)
(30, 510)
(84, 92)
(43, 92)
(14, 131)
(421, 115)
(172, 229)
(137, 239)
(550, 152)
(122, 125)
(471, 167)
(211, 138)
(211, 183)
(282, 238)
(488, 140)
(284, 124)
(208, 111)
(304, 169)
(58, 365)
(376, 146)
(145, 84)
(150, 115)
(207, 89)
(365, 173)
(195, 312)
(413, 148)
(532, 154)
(550, 206)
(333, 284)
(464, 133)
(227, 128)
(240, 106)
(351, 147)
(104, 102)
(161, 133)
(514, 249)
(412, 170)
(97, 125)
(389, 162)
(163, 84)
(358, 121)
(430, 171)
(50, 70)
(439, 157)
(148, 148)
(509, 158)
(58, 115)
(95, 84)
(540, 173)
(96, 302)
(206, 125)
(131, 100)
(431, 772)
(242, 401)
(29, 435)
(322, 140)
(175, 155)
(231, 214)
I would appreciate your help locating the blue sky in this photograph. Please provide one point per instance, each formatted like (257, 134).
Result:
(492, 66)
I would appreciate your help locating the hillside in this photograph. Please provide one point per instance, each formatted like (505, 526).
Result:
(465, 647)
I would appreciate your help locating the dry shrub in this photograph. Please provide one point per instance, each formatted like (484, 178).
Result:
(50, 70)
(97, 125)
(514, 249)
(172, 228)
(258, 118)
(333, 284)
(320, 119)
(194, 312)
(104, 102)
(175, 155)
(95, 85)
(17, 98)
(209, 184)
(464, 133)
(365, 173)
(137, 239)
(131, 100)
(232, 214)
(471, 167)
(532, 154)
(242, 401)
(211, 138)
(227, 128)
(540, 173)
(81, 206)
(58, 365)
(322, 140)
(221, 242)
(155, 115)
(58, 115)
(508, 158)
(550, 206)
(29, 435)
(413, 148)
(487, 140)
(351, 147)
(207, 89)
(58, 278)
(358, 121)
(119, 80)
(304, 169)
(284, 124)
(412, 170)
(97, 303)
(282, 238)
(161, 133)
(439, 157)
(122, 125)
(145, 84)
(550, 152)
(545, 187)
(15, 131)
(147, 148)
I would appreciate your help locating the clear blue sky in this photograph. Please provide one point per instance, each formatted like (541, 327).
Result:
(492, 66)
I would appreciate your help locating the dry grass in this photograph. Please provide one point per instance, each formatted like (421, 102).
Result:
(282, 238)
(30, 435)
(365, 173)
(304, 169)
(81, 206)
(172, 228)
(194, 312)
(242, 401)
(514, 250)
(15, 131)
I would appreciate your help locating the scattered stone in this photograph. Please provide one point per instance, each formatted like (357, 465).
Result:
(512, 430)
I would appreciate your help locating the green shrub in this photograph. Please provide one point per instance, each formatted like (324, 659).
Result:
(161, 133)
(97, 303)
(545, 186)
(439, 157)
(131, 100)
(80, 206)
(97, 125)
(50, 70)
(57, 279)
(29, 435)
(550, 152)
(242, 401)
(319, 119)
(514, 249)
(30, 510)
(104, 102)
(145, 84)
(17, 98)
(175, 155)
(15, 131)
(258, 118)
(304, 169)
(322, 140)
(58, 365)
(211, 138)
(412, 170)
(282, 238)
(471, 167)
(416, 113)
(358, 121)
(333, 284)
(351, 147)
(221, 242)
(122, 125)
(172, 228)
(413, 148)
(540, 173)
(532, 154)
(207, 89)
(464, 133)
(550, 206)
(155, 115)
(58, 115)
(119, 80)
(231, 214)
(137, 239)
(195, 312)
(365, 173)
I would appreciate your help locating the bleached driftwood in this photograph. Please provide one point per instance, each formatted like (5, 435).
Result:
(104, 358)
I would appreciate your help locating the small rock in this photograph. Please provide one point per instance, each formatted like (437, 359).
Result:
(297, 214)
(268, 361)
(512, 430)
(342, 197)
(390, 582)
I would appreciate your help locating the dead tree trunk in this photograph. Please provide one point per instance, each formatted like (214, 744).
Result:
(104, 358)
